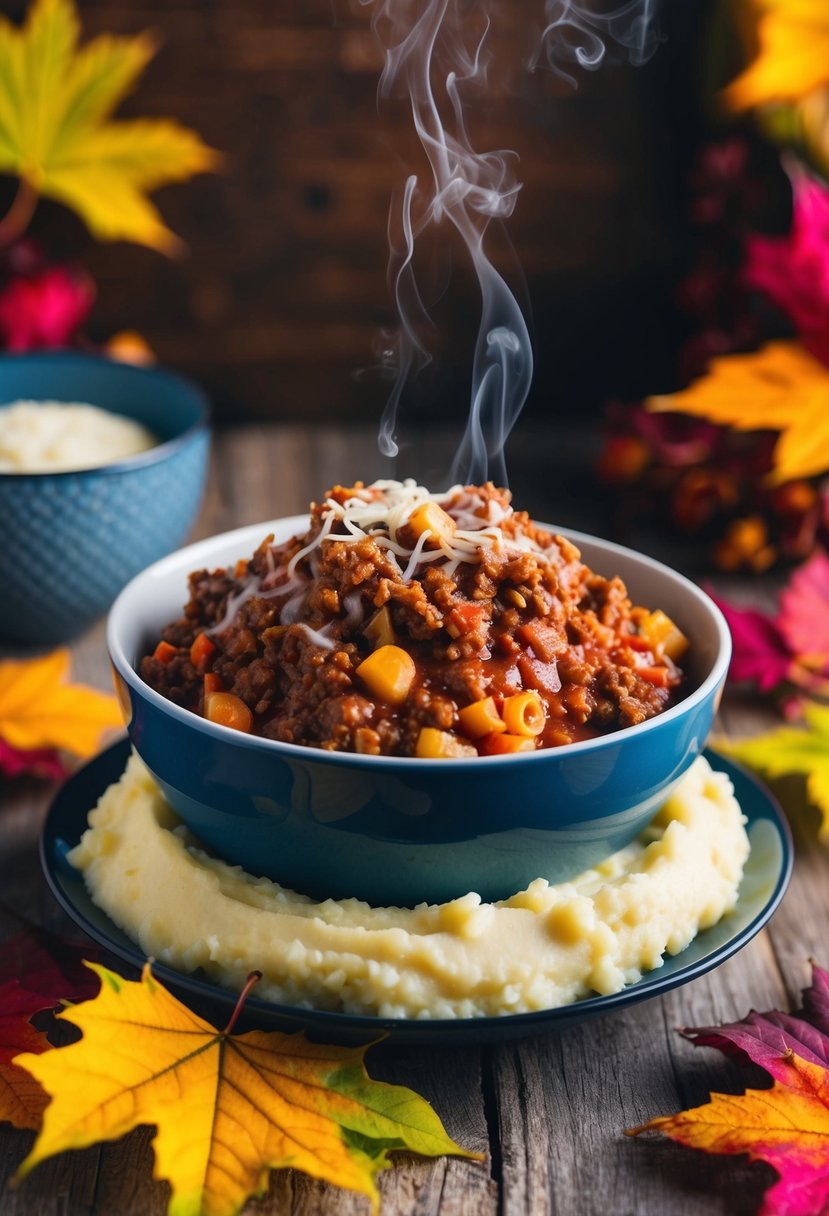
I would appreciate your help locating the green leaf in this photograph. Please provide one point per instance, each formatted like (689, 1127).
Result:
(793, 750)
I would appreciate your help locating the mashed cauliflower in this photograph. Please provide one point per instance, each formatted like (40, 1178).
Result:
(542, 948)
(56, 436)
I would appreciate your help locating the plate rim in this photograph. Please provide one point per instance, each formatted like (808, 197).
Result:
(654, 983)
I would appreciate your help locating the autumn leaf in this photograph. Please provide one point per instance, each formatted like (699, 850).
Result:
(49, 966)
(22, 1098)
(791, 749)
(793, 270)
(38, 970)
(793, 55)
(227, 1108)
(760, 653)
(786, 1125)
(41, 712)
(804, 613)
(56, 101)
(779, 388)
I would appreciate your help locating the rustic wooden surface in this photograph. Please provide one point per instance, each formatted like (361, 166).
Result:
(548, 1111)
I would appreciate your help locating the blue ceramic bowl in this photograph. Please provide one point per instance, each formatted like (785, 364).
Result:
(70, 541)
(395, 830)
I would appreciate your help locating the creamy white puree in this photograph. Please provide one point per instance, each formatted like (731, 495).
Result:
(56, 436)
(544, 947)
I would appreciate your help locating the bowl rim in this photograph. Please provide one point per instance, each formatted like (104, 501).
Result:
(304, 752)
(154, 455)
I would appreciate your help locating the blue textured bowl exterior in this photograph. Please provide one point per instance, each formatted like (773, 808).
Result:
(72, 540)
(401, 831)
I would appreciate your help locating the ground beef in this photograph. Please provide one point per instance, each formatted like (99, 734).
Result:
(511, 612)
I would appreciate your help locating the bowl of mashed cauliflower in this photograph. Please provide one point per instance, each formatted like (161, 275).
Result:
(102, 470)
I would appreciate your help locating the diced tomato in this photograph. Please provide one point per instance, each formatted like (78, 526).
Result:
(635, 642)
(466, 618)
(200, 651)
(545, 641)
(543, 677)
(164, 652)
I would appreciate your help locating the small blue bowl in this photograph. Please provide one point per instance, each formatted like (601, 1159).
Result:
(394, 830)
(70, 541)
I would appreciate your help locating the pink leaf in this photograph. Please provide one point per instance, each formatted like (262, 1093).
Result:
(804, 613)
(44, 310)
(761, 655)
(793, 271)
(39, 762)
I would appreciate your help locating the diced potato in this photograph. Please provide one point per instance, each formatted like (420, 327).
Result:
(481, 718)
(663, 635)
(380, 630)
(388, 673)
(430, 517)
(226, 709)
(434, 744)
(524, 714)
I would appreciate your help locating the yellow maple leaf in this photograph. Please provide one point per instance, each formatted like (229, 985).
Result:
(793, 54)
(780, 388)
(55, 105)
(228, 1108)
(40, 709)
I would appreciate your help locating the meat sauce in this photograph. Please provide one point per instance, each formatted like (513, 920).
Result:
(409, 624)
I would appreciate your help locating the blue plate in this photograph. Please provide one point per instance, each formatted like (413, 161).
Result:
(766, 877)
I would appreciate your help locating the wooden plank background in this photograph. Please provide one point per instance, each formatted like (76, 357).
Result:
(282, 296)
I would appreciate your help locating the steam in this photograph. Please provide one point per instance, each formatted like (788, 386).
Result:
(435, 56)
(576, 33)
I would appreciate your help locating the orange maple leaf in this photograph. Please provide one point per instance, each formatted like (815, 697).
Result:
(781, 388)
(786, 1126)
(227, 1107)
(40, 709)
(793, 55)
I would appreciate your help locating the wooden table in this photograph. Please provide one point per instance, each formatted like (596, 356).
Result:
(548, 1111)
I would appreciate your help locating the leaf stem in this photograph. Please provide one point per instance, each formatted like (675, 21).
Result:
(16, 220)
(253, 978)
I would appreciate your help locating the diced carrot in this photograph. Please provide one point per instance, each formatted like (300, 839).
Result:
(226, 709)
(200, 651)
(164, 652)
(635, 642)
(500, 745)
(212, 683)
(658, 676)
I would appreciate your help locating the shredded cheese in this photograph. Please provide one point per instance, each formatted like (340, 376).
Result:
(379, 512)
